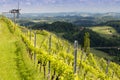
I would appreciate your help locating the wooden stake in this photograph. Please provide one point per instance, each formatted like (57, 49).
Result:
(49, 61)
(75, 55)
(30, 34)
(108, 62)
(34, 46)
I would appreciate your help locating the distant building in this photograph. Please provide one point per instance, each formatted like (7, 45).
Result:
(82, 28)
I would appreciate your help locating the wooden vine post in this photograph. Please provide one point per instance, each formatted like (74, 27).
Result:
(30, 34)
(108, 62)
(49, 50)
(14, 20)
(68, 50)
(34, 46)
(27, 33)
(81, 59)
(75, 55)
(30, 40)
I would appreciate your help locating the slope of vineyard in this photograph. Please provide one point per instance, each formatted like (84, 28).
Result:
(89, 66)
(45, 47)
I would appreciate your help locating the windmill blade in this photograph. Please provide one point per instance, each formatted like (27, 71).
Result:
(18, 4)
(18, 13)
(18, 10)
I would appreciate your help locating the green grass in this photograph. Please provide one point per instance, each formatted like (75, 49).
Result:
(105, 31)
(100, 54)
(15, 63)
(8, 68)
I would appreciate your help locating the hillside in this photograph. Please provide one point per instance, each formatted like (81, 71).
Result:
(44, 47)
(63, 50)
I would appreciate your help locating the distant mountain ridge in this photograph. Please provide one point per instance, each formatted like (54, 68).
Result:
(82, 14)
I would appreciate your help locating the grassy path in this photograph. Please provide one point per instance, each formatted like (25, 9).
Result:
(14, 61)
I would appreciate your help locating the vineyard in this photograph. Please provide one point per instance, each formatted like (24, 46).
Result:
(57, 59)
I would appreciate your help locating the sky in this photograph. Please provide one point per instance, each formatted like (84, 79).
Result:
(50, 6)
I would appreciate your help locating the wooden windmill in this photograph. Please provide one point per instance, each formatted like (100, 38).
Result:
(15, 12)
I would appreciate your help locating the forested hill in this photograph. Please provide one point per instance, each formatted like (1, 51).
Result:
(41, 55)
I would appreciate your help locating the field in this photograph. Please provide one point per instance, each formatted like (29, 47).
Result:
(105, 31)
(100, 54)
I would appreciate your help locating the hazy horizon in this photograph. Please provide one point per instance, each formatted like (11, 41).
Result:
(58, 6)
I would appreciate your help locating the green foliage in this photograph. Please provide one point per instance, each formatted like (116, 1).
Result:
(61, 61)
(55, 27)
(61, 68)
(9, 23)
(87, 43)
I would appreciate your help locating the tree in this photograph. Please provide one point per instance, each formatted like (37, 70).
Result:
(87, 43)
